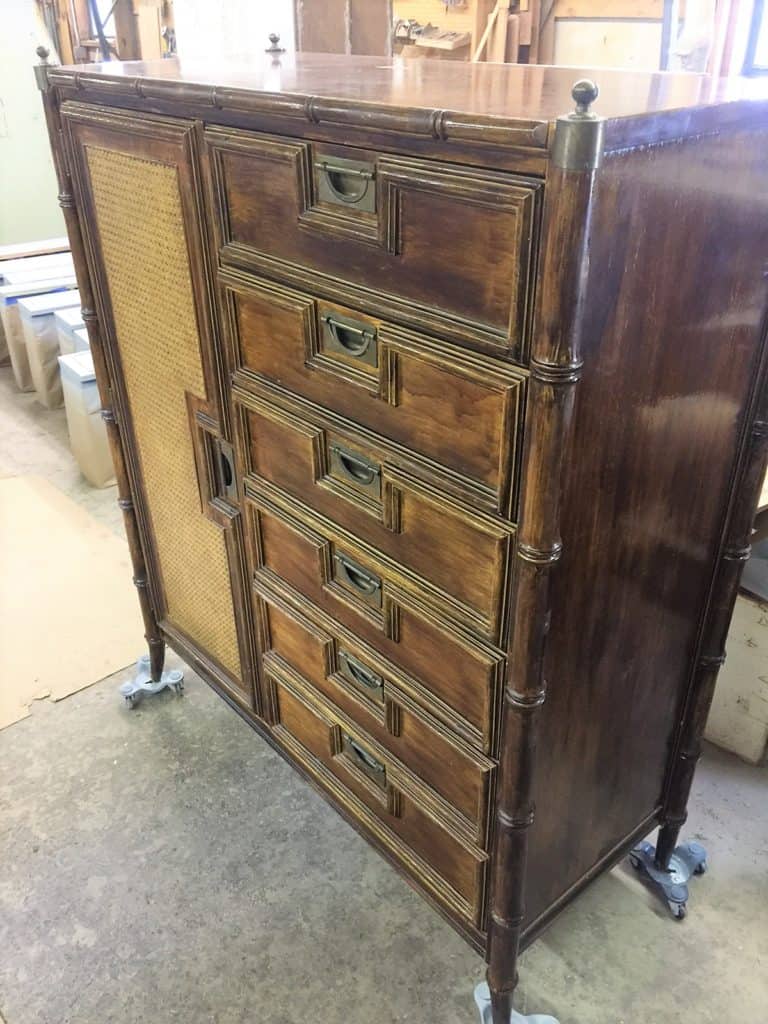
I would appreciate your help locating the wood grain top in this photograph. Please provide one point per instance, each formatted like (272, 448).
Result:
(533, 95)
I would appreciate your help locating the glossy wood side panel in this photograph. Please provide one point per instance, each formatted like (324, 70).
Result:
(673, 322)
(117, 441)
(711, 654)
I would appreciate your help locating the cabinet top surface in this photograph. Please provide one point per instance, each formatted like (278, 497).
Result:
(530, 93)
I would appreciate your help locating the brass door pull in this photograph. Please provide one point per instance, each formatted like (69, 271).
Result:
(355, 468)
(357, 673)
(364, 582)
(365, 761)
(347, 181)
(226, 484)
(350, 338)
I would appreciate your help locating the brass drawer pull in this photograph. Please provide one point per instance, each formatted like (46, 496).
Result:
(348, 182)
(358, 674)
(366, 583)
(366, 762)
(350, 338)
(355, 467)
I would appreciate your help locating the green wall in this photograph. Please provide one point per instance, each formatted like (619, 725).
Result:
(29, 208)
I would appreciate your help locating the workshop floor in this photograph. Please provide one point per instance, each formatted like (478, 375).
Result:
(165, 865)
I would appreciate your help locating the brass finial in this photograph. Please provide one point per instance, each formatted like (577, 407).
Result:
(274, 39)
(43, 54)
(585, 92)
(578, 142)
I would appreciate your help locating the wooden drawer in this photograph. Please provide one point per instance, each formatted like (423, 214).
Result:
(367, 698)
(458, 409)
(461, 553)
(459, 672)
(379, 794)
(443, 246)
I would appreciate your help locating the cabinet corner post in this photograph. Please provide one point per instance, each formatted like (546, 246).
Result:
(51, 108)
(555, 368)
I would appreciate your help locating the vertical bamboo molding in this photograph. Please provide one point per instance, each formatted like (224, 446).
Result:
(555, 369)
(79, 256)
(736, 551)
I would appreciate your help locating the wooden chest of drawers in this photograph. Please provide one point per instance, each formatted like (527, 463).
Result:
(438, 416)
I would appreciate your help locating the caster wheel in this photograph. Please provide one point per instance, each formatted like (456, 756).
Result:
(130, 703)
(701, 869)
(636, 863)
(178, 689)
(679, 910)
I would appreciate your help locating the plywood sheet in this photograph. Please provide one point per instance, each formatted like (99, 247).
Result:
(68, 609)
(635, 45)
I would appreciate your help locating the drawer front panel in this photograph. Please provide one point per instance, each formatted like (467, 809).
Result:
(458, 409)
(462, 553)
(445, 242)
(377, 793)
(457, 671)
(357, 687)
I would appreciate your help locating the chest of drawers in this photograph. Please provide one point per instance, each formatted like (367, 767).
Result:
(438, 418)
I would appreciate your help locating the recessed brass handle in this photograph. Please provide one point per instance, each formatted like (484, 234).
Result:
(225, 471)
(358, 674)
(355, 468)
(350, 338)
(364, 582)
(364, 760)
(348, 182)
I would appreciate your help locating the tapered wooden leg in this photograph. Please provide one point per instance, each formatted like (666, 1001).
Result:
(666, 843)
(156, 657)
(501, 1006)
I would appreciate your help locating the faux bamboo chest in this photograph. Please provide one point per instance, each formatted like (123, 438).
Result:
(437, 404)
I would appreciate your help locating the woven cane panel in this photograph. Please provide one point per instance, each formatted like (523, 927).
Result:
(139, 217)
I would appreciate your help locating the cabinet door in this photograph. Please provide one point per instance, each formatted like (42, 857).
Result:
(136, 187)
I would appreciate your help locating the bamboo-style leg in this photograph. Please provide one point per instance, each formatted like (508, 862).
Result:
(555, 369)
(151, 665)
(670, 866)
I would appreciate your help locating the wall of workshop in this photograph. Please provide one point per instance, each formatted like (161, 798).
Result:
(29, 208)
(609, 33)
(237, 30)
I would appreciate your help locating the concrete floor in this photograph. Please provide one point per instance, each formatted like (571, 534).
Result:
(166, 865)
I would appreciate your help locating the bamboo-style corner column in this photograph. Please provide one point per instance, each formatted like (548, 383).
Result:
(555, 369)
(736, 551)
(125, 501)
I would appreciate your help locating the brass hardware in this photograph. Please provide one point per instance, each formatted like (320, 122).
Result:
(274, 44)
(578, 142)
(349, 182)
(226, 484)
(355, 468)
(365, 761)
(356, 672)
(365, 583)
(349, 337)
(42, 69)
